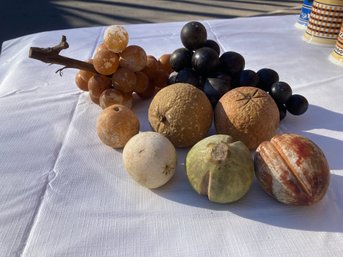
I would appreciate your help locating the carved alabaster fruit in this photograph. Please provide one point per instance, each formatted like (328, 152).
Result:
(182, 113)
(150, 159)
(116, 125)
(221, 168)
(292, 169)
(248, 114)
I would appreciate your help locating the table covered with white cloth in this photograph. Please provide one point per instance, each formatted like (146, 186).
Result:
(64, 193)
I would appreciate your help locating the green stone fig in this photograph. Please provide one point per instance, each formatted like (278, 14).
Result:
(221, 168)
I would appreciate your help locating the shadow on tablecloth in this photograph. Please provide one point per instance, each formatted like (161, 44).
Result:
(319, 120)
(324, 216)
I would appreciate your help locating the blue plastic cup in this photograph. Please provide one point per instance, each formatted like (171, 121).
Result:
(304, 14)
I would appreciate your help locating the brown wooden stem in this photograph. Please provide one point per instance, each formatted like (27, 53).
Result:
(51, 55)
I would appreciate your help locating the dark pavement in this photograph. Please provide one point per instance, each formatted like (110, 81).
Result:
(22, 17)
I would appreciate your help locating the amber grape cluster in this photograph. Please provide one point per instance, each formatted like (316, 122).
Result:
(122, 70)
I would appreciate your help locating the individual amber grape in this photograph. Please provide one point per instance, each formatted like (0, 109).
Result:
(161, 78)
(133, 58)
(112, 96)
(156, 90)
(80, 82)
(116, 38)
(151, 66)
(148, 92)
(106, 62)
(96, 85)
(86, 75)
(164, 63)
(142, 82)
(94, 99)
(124, 80)
(100, 47)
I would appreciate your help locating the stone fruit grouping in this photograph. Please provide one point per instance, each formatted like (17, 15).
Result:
(289, 167)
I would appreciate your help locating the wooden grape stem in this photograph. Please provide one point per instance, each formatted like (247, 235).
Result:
(51, 55)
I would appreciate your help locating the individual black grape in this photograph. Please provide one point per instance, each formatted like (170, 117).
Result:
(282, 111)
(212, 44)
(193, 35)
(205, 60)
(215, 88)
(181, 58)
(188, 75)
(297, 104)
(248, 78)
(221, 86)
(267, 77)
(235, 80)
(220, 75)
(213, 100)
(281, 92)
(231, 63)
(202, 80)
(171, 78)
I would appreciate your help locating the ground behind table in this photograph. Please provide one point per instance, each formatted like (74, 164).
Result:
(21, 17)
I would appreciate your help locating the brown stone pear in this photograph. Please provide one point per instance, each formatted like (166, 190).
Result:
(182, 113)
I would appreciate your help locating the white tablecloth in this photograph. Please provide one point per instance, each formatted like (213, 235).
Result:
(63, 193)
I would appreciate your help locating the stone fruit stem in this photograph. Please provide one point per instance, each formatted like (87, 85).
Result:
(51, 55)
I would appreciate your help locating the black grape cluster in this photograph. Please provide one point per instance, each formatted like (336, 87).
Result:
(200, 63)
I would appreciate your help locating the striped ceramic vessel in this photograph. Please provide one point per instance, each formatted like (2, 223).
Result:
(325, 22)
(336, 55)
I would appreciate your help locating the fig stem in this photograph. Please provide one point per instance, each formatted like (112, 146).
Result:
(220, 152)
